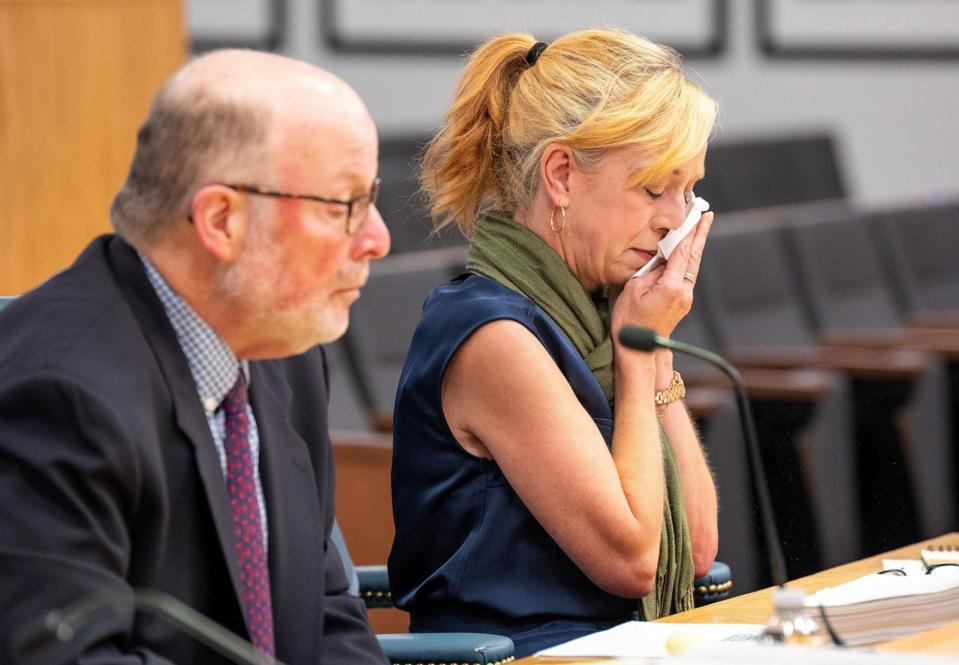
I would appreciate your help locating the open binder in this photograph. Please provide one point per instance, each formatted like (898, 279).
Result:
(879, 607)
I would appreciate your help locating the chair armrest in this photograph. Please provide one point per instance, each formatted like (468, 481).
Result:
(764, 384)
(935, 319)
(942, 341)
(460, 648)
(374, 586)
(702, 401)
(859, 362)
(714, 585)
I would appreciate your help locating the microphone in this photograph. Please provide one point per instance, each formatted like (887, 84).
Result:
(644, 339)
(61, 625)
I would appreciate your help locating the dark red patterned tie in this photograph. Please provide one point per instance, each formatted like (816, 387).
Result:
(250, 551)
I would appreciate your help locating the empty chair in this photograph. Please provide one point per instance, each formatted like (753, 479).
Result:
(747, 288)
(382, 322)
(758, 173)
(760, 321)
(840, 274)
(349, 408)
(803, 422)
(918, 247)
(402, 205)
(843, 285)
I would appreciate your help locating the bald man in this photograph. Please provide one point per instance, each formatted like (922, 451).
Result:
(163, 400)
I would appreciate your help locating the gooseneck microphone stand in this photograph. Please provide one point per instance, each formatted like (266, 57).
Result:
(644, 339)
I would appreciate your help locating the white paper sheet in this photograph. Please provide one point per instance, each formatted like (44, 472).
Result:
(643, 639)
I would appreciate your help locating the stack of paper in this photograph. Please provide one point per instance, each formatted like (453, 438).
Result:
(879, 607)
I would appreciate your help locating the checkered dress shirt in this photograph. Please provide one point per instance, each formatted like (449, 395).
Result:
(214, 368)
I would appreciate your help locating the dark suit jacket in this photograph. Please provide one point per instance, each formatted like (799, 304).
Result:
(109, 479)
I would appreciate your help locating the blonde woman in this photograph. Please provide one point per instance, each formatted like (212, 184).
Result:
(520, 509)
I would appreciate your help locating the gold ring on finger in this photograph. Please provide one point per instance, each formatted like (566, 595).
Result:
(688, 276)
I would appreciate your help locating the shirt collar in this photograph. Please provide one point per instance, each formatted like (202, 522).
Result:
(212, 363)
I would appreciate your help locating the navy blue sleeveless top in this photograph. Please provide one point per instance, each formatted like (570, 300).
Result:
(468, 555)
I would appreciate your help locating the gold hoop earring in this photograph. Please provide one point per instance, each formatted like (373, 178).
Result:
(552, 223)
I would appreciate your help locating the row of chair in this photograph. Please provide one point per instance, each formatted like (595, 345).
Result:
(851, 294)
(744, 173)
(857, 428)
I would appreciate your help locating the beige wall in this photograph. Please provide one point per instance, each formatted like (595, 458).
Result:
(76, 78)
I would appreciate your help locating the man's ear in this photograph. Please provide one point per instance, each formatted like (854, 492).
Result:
(220, 217)
(555, 167)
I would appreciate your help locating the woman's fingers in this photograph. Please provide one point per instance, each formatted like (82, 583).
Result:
(697, 246)
(683, 263)
(660, 298)
(643, 283)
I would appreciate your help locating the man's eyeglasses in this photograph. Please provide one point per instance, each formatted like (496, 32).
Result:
(357, 208)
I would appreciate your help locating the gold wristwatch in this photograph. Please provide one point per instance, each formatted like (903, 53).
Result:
(676, 391)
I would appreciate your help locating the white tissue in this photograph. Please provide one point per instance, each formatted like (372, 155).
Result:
(671, 240)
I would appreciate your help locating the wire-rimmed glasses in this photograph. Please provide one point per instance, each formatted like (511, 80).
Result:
(357, 208)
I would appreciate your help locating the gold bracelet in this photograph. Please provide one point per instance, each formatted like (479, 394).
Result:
(676, 391)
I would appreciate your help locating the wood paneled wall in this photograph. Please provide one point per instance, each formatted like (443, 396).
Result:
(76, 80)
(364, 508)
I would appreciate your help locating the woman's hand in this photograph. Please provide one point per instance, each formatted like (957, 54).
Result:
(659, 300)
(662, 297)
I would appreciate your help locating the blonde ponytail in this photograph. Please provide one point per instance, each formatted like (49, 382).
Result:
(462, 160)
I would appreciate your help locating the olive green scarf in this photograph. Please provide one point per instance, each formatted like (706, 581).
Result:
(517, 258)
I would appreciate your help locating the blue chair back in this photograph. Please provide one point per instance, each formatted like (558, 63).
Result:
(348, 567)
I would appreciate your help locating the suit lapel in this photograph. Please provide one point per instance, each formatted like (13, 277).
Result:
(293, 514)
(188, 412)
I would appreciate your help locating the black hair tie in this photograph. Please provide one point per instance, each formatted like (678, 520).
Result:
(533, 55)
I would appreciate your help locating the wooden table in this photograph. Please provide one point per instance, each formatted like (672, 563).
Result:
(756, 607)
